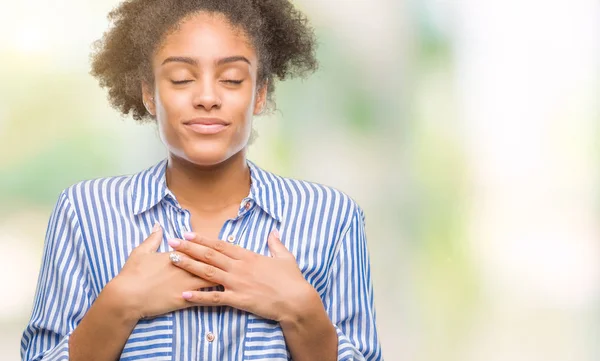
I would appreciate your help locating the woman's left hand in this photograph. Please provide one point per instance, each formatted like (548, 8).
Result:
(269, 287)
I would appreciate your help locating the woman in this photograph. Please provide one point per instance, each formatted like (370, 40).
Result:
(203, 256)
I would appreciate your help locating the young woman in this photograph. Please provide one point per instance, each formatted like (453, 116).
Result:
(204, 256)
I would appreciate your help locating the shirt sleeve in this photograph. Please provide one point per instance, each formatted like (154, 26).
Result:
(63, 293)
(349, 301)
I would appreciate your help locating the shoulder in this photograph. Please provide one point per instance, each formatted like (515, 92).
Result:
(116, 188)
(318, 195)
(115, 192)
(93, 191)
(313, 202)
(321, 200)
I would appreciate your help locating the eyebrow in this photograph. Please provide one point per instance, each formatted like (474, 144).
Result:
(194, 62)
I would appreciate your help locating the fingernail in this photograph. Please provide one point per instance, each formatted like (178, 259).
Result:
(187, 295)
(174, 243)
(188, 236)
(276, 233)
(156, 227)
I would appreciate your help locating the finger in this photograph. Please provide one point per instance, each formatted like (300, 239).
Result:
(203, 284)
(205, 271)
(202, 253)
(208, 298)
(277, 248)
(223, 247)
(151, 243)
(191, 282)
(197, 283)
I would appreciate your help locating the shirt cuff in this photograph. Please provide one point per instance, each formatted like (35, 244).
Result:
(60, 352)
(346, 349)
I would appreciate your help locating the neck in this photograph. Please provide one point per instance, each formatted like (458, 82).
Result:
(211, 188)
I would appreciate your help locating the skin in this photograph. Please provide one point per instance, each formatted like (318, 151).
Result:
(209, 176)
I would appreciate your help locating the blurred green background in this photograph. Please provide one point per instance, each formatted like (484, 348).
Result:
(468, 132)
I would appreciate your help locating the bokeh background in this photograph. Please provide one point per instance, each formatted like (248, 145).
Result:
(467, 130)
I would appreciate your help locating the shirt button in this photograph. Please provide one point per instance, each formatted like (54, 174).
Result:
(231, 238)
(210, 337)
(247, 205)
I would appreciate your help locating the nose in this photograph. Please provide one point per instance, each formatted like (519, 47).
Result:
(207, 96)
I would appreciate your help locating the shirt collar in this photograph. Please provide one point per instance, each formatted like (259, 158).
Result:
(149, 187)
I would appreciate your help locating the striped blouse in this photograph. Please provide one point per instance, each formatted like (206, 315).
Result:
(96, 224)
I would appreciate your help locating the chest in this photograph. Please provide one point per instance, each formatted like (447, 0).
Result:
(203, 333)
(211, 224)
(108, 244)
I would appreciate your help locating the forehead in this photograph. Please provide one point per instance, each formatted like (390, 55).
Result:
(206, 37)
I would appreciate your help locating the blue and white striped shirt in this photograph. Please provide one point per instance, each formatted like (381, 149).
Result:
(97, 223)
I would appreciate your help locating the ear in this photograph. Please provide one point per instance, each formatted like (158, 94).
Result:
(148, 98)
(261, 98)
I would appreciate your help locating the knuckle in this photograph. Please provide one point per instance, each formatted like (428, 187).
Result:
(209, 271)
(220, 246)
(216, 297)
(209, 254)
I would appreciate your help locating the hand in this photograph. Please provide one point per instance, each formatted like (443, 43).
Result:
(269, 287)
(149, 285)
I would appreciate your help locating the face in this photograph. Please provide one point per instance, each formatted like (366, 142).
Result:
(205, 90)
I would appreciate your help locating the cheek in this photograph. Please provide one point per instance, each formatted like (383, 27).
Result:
(169, 113)
(241, 103)
(172, 103)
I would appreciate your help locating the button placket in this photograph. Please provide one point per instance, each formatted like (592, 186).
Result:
(210, 337)
(233, 230)
(178, 222)
(245, 206)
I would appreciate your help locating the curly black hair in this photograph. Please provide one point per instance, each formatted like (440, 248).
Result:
(121, 60)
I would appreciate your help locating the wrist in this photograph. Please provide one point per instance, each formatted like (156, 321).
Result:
(118, 303)
(303, 308)
(309, 332)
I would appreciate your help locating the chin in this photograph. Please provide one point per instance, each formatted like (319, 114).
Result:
(207, 159)
(208, 155)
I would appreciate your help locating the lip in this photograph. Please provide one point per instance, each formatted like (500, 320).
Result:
(206, 125)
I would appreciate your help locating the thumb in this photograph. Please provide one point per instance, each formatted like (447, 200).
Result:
(151, 243)
(275, 246)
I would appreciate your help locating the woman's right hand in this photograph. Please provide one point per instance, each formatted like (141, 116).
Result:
(149, 285)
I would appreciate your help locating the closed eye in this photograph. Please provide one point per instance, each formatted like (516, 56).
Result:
(180, 81)
(232, 81)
